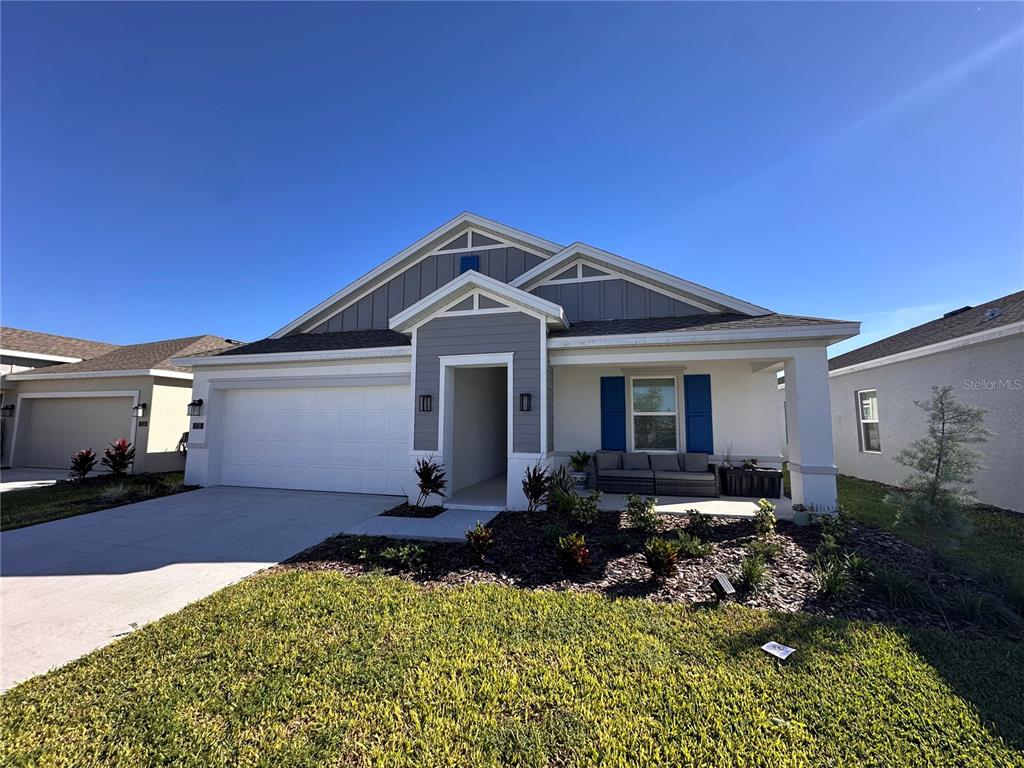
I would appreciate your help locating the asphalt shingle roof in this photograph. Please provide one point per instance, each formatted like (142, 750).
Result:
(33, 342)
(136, 357)
(1010, 310)
(710, 322)
(317, 342)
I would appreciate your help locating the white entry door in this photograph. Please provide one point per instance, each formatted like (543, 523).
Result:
(353, 439)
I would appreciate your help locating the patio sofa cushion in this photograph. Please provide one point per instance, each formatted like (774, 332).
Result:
(636, 461)
(664, 462)
(629, 474)
(710, 476)
(608, 460)
(695, 462)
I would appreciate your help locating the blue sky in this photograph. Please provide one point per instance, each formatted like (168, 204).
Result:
(174, 169)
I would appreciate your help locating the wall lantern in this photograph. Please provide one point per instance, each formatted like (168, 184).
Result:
(139, 410)
(7, 410)
(524, 401)
(195, 408)
(425, 403)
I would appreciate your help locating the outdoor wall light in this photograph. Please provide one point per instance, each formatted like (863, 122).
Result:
(524, 401)
(138, 411)
(7, 409)
(195, 408)
(426, 402)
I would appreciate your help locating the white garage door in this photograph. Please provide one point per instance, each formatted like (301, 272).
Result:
(352, 439)
(52, 428)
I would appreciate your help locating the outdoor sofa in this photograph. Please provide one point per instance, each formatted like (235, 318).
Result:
(666, 474)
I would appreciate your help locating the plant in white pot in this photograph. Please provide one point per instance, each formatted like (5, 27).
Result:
(579, 462)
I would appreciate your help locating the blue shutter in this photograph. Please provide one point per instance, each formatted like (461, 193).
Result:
(697, 392)
(469, 262)
(613, 413)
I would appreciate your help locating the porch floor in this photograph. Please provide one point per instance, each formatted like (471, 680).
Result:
(488, 494)
(724, 506)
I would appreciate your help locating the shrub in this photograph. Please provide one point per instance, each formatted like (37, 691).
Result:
(858, 566)
(838, 525)
(692, 546)
(409, 556)
(82, 463)
(662, 557)
(585, 511)
(753, 573)
(536, 484)
(561, 479)
(901, 589)
(984, 608)
(551, 533)
(827, 550)
(698, 525)
(619, 542)
(764, 518)
(580, 461)
(832, 579)
(641, 513)
(118, 456)
(479, 539)
(572, 551)
(563, 500)
(117, 493)
(430, 479)
(766, 550)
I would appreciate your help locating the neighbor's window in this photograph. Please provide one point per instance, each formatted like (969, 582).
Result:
(867, 412)
(654, 414)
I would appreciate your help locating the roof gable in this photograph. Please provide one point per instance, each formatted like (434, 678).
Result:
(31, 343)
(150, 356)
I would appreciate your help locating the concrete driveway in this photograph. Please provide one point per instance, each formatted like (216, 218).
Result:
(74, 585)
(18, 478)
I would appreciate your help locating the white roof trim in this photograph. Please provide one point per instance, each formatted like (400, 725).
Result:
(31, 376)
(39, 356)
(991, 334)
(546, 247)
(295, 357)
(686, 287)
(833, 332)
(466, 283)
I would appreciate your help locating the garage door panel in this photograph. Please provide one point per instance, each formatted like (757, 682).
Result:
(353, 439)
(54, 428)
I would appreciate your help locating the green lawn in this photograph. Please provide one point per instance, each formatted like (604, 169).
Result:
(290, 669)
(992, 545)
(40, 505)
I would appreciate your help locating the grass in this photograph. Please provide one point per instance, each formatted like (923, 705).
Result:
(53, 502)
(991, 546)
(302, 668)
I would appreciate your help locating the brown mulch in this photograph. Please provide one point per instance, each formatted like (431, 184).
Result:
(524, 556)
(406, 509)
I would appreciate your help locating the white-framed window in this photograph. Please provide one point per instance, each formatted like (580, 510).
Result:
(655, 414)
(867, 415)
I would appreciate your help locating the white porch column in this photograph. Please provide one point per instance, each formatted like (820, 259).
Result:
(812, 467)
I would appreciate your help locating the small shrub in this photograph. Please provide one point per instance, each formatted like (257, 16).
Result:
(766, 550)
(837, 526)
(409, 556)
(832, 579)
(641, 514)
(698, 525)
(82, 463)
(536, 484)
(985, 609)
(826, 552)
(479, 539)
(858, 566)
(430, 479)
(764, 518)
(753, 573)
(118, 457)
(662, 557)
(901, 589)
(563, 500)
(585, 511)
(117, 493)
(572, 551)
(691, 546)
(551, 533)
(579, 461)
(618, 542)
(561, 479)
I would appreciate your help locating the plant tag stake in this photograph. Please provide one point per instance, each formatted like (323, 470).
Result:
(778, 650)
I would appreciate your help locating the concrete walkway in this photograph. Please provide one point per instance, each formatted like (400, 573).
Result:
(70, 586)
(18, 478)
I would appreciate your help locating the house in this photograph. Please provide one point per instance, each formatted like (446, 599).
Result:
(132, 391)
(979, 351)
(493, 349)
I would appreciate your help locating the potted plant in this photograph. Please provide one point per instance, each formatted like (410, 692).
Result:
(579, 462)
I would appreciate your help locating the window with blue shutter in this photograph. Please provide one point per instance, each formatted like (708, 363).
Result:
(697, 394)
(613, 413)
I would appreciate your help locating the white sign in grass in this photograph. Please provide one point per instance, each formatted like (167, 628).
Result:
(778, 650)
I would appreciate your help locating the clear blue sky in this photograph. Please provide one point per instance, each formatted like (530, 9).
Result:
(174, 169)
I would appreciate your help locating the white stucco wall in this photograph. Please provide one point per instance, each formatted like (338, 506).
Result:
(480, 428)
(988, 375)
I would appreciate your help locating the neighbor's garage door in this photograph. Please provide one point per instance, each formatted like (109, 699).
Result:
(329, 439)
(51, 429)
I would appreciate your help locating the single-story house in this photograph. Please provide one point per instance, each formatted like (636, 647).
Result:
(979, 351)
(132, 392)
(492, 349)
(22, 350)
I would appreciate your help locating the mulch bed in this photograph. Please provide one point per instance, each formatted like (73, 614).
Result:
(406, 509)
(524, 556)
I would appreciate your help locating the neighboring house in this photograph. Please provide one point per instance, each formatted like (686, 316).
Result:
(133, 391)
(22, 350)
(493, 349)
(979, 351)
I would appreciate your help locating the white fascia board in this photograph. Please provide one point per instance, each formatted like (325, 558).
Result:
(39, 356)
(686, 287)
(830, 333)
(546, 247)
(30, 376)
(993, 334)
(465, 283)
(294, 357)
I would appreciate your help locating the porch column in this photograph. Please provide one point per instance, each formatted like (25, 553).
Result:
(812, 467)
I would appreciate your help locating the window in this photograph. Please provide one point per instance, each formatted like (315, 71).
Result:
(654, 414)
(867, 412)
(469, 262)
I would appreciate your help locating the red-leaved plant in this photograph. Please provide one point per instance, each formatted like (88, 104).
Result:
(573, 552)
(82, 463)
(479, 539)
(118, 457)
